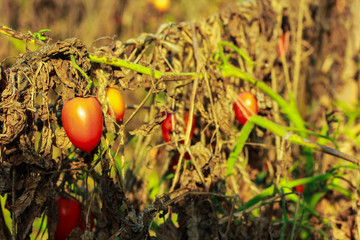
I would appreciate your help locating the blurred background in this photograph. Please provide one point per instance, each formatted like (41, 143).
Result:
(89, 20)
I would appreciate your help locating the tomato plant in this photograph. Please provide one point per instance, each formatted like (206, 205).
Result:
(83, 122)
(116, 103)
(69, 212)
(245, 106)
(166, 126)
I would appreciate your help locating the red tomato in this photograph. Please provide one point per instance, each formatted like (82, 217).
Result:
(116, 102)
(245, 106)
(300, 188)
(167, 129)
(82, 224)
(69, 212)
(83, 122)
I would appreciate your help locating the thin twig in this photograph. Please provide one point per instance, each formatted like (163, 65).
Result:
(298, 50)
(295, 219)
(230, 218)
(241, 213)
(13, 205)
(198, 170)
(118, 175)
(139, 107)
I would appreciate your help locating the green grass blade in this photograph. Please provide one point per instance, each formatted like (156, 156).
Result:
(240, 142)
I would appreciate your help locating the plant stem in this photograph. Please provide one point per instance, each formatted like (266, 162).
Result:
(281, 131)
(141, 69)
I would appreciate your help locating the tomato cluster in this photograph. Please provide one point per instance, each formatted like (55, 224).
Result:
(69, 213)
(82, 119)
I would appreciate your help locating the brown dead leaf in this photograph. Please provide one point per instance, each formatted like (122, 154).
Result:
(27, 196)
(62, 140)
(148, 128)
(13, 124)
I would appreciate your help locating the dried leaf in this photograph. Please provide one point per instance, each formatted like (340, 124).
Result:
(62, 140)
(148, 128)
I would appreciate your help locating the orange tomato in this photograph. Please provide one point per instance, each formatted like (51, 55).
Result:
(83, 122)
(161, 6)
(283, 44)
(245, 106)
(116, 103)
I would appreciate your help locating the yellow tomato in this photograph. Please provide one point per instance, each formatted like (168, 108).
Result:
(116, 102)
(161, 5)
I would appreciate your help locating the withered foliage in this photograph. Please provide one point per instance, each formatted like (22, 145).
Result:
(36, 167)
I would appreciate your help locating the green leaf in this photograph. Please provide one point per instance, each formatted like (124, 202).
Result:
(240, 142)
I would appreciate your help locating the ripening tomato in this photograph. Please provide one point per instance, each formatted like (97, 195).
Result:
(161, 6)
(116, 103)
(283, 44)
(245, 106)
(82, 224)
(83, 122)
(167, 129)
(69, 212)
